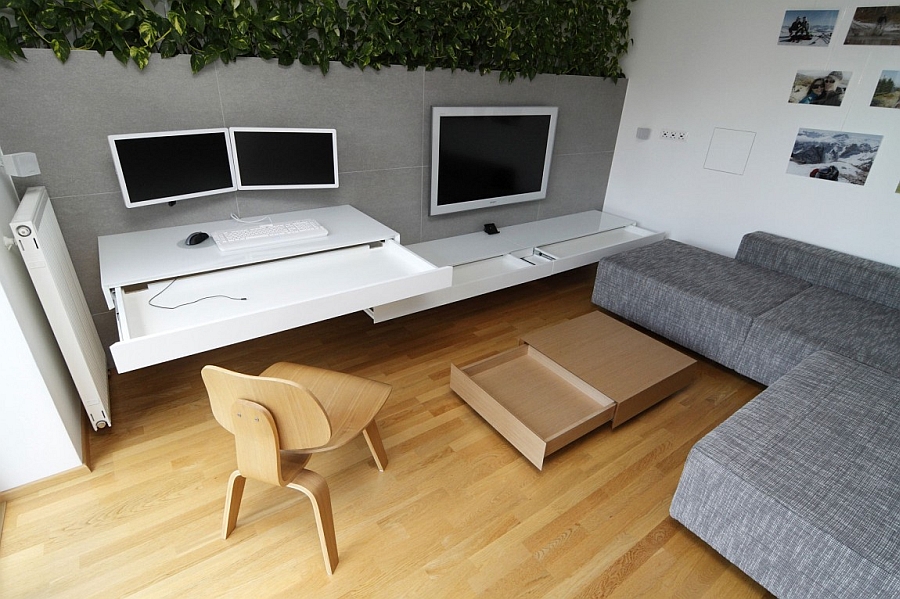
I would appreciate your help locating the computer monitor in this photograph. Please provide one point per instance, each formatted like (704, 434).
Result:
(490, 156)
(168, 166)
(279, 158)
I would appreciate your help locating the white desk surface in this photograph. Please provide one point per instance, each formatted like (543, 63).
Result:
(228, 306)
(144, 256)
(464, 249)
(563, 228)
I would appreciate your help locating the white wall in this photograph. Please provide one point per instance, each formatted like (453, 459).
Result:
(40, 431)
(700, 64)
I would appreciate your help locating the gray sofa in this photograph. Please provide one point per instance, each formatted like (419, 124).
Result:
(801, 487)
(775, 303)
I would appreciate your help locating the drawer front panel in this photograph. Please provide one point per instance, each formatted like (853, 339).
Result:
(178, 317)
(591, 248)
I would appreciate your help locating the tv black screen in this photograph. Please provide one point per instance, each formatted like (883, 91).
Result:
(487, 156)
(172, 165)
(268, 158)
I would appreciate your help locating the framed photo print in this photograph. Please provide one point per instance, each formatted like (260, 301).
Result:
(875, 26)
(807, 27)
(820, 88)
(834, 155)
(887, 91)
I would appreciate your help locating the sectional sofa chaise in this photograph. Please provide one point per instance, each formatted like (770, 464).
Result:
(800, 488)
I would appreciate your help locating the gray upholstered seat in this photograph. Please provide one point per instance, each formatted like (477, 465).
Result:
(800, 488)
(699, 299)
(821, 318)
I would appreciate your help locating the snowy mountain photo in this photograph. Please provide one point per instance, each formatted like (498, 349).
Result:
(834, 155)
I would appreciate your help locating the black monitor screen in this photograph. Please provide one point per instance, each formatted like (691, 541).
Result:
(165, 167)
(491, 156)
(285, 159)
(485, 156)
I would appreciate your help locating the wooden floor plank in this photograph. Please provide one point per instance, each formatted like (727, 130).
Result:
(457, 513)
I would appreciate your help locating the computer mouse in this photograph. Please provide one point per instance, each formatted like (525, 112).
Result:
(195, 238)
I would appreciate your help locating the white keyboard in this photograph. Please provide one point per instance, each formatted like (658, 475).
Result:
(270, 234)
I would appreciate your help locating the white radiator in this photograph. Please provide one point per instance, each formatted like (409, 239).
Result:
(43, 248)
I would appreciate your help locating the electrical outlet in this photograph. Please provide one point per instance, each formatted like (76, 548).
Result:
(673, 135)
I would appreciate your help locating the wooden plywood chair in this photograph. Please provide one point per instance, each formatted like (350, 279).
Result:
(283, 416)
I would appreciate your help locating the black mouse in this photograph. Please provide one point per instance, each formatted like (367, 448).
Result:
(195, 238)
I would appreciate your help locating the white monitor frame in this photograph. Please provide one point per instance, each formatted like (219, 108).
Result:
(129, 203)
(237, 162)
(440, 112)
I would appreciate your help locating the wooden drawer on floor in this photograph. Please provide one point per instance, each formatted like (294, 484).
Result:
(536, 404)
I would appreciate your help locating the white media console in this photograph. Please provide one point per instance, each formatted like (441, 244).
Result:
(517, 254)
(172, 300)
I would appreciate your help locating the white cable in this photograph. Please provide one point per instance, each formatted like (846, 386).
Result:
(261, 219)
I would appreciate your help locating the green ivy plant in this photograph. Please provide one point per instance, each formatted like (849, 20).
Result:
(514, 37)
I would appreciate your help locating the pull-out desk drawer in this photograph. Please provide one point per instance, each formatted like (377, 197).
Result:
(173, 300)
(175, 317)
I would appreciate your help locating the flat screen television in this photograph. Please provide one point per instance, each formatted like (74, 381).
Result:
(272, 158)
(168, 166)
(489, 156)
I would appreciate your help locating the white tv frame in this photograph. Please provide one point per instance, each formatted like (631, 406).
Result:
(121, 176)
(439, 112)
(237, 163)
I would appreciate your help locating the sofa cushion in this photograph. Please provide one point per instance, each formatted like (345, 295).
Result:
(800, 488)
(699, 299)
(863, 278)
(820, 318)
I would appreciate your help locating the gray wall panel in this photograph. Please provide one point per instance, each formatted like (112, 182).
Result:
(377, 113)
(570, 190)
(386, 196)
(63, 113)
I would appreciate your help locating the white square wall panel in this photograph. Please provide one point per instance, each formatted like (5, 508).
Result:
(729, 150)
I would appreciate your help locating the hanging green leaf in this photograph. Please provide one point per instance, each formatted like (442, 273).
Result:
(518, 38)
(61, 47)
(140, 56)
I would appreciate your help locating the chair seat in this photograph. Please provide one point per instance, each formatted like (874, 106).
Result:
(281, 417)
(357, 398)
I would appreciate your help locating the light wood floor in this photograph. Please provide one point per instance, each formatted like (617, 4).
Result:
(458, 512)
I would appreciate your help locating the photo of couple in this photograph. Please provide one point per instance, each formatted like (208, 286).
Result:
(823, 88)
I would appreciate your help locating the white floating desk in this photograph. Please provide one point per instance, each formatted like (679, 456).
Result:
(360, 264)
(226, 298)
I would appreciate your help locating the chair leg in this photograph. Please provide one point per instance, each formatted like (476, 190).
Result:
(314, 486)
(233, 495)
(373, 438)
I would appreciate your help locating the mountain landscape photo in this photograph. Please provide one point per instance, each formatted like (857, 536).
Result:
(834, 155)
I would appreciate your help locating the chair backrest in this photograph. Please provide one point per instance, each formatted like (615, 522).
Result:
(256, 442)
(300, 420)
